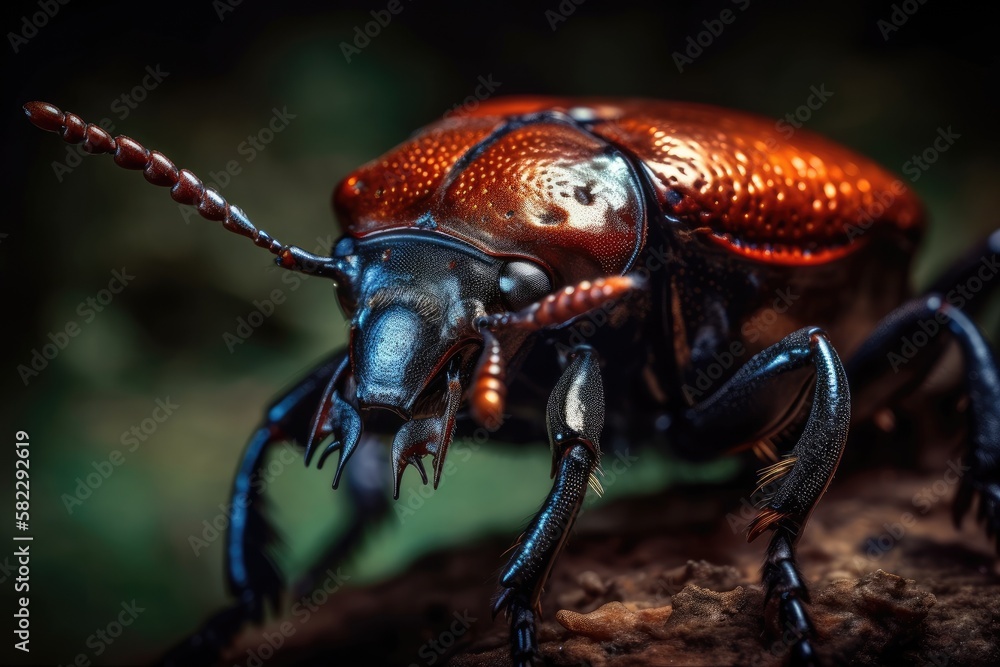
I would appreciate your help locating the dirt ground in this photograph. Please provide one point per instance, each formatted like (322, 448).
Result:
(670, 580)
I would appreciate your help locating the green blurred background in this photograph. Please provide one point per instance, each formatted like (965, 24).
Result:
(230, 65)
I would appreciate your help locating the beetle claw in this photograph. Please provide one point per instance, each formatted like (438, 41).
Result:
(987, 497)
(426, 437)
(330, 449)
(412, 442)
(327, 416)
(522, 620)
(337, 417)
(500, 603)
(315, 438)
(350, 430)
(418, 463)
(453, 400)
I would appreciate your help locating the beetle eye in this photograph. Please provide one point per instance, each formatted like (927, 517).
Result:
(344, 247)
(523, 283)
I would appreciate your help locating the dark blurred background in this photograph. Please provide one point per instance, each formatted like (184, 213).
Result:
(224, 67)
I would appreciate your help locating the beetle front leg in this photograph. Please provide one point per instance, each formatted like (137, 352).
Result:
(755, 404)
(252, 575)
(574, 418)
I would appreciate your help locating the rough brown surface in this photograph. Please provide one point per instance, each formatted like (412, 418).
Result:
(670, 581)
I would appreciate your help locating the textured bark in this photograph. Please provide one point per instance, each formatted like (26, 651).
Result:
(670, 580)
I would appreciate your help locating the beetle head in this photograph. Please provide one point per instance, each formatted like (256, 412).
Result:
(413, 304)
(417, 302)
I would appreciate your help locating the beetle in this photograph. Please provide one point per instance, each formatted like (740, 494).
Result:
(733, 268)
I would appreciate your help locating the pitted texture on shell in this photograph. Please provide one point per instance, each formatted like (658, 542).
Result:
(737, 179)
(544, 191)
(745, 183)
(397, 189)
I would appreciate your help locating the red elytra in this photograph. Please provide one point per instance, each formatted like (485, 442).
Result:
(554, 193)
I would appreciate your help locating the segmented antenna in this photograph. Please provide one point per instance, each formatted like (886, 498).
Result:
(565, 305)
(185, 187)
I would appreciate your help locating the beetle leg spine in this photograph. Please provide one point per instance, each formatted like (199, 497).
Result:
(767, 518)
(595, 484)
(774, 472)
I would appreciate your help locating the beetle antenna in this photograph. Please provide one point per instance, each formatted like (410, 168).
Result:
(185, 187)
(567, 304)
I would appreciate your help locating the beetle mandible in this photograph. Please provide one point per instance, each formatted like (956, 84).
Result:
(469, 249)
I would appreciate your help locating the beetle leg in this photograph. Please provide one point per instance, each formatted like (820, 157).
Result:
(366, 486)
(754, 404)
(882, 373)
(575, 417)
(967, 270)
(250, 569)
(252, 575)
